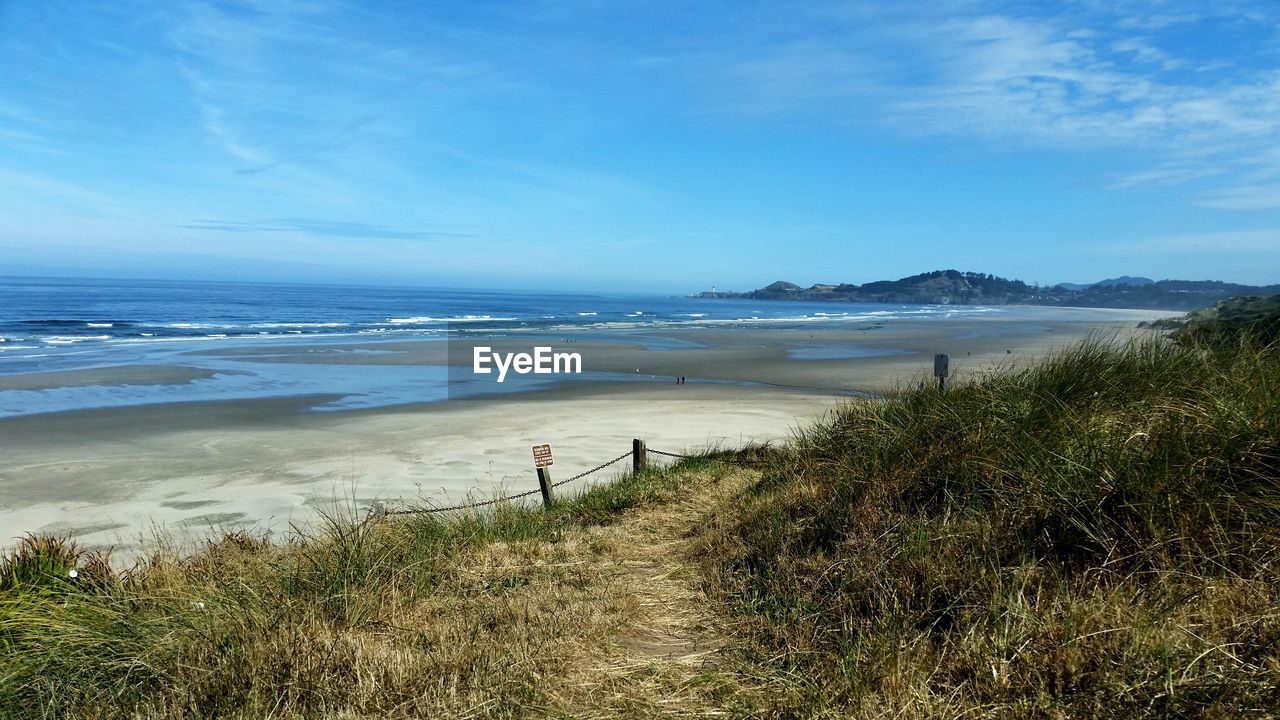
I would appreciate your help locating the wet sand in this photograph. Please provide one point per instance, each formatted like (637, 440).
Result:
(109, 476)
(120, 375)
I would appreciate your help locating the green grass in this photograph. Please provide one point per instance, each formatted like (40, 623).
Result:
(1095, 535)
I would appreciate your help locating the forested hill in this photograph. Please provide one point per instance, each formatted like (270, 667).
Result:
(970, 288)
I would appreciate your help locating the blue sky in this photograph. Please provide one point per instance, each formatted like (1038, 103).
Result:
(662, 147)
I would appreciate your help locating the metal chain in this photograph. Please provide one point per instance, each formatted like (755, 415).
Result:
(508, 498)
(464, 506)
(597, 468)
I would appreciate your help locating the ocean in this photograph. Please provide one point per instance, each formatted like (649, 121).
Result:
(58, 324)
(51, 325)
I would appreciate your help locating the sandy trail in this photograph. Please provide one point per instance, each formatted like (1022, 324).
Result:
(649, 641)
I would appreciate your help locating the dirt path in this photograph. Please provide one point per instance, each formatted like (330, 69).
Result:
(671, 636)
(665, 651)
(617, 614)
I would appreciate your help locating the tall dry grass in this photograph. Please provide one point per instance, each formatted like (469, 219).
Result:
(352, 617)
(1095, 535)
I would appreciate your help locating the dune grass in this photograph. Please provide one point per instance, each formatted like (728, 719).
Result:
(1095, 535)
(352, 616)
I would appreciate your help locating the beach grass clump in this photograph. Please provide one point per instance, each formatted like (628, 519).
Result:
(1093, 535)
(39, 561)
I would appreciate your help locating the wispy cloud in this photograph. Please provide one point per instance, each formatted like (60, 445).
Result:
(325, 228)
(257, 74)
(1164, 176)
(27, 188)
(1143, 52)
(22, 129)
(215, 123)
(1159, 21)
(1080, 77)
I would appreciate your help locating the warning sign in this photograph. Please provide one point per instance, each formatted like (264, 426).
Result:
(542, 455)
(941, 365)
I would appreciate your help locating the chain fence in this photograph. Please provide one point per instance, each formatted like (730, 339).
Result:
(385, 512)
(597, 468)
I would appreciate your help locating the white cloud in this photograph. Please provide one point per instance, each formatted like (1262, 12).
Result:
(1160, 22)
(1079, 78)
(1144, 52)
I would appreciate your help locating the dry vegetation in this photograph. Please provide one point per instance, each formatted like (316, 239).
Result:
(1093, 536)
(1096, 535)
(589, 610)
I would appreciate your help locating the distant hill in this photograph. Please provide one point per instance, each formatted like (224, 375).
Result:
(1124, 280)
(944, 287)
(783, 287)
(1109, 282)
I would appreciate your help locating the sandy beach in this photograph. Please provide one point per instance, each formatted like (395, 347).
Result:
(112, 476)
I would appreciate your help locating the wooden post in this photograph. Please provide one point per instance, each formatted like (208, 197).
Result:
(544, 482)
(639, 457)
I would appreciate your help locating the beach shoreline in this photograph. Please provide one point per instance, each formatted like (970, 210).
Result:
(110, 477)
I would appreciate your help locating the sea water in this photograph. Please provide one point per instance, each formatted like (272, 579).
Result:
(77, 324)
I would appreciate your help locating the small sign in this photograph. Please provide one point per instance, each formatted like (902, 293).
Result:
(542, 456)
(940, 365)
